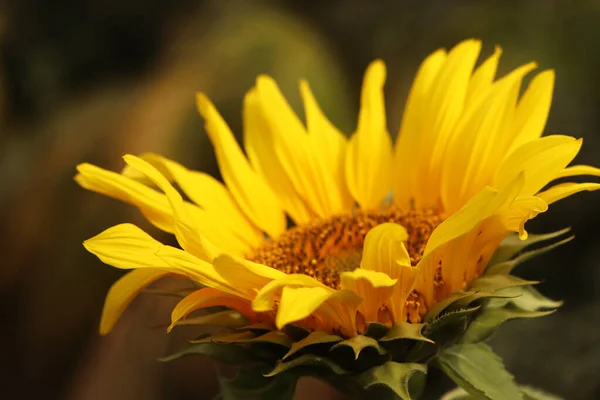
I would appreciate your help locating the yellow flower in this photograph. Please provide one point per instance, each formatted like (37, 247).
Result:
(469, 166)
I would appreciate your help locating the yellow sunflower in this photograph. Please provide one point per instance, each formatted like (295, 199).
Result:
(328, 233)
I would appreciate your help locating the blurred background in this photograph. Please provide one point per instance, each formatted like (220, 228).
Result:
(93, 80)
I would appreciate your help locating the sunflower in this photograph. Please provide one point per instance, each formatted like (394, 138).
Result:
(332, 235)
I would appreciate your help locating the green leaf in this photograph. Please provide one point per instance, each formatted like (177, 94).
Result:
(357, 344)
(478, 370)
(376, 330)
(493, 283)
(512, 245)
(393, 376)
(310, 361)
(313, 339)
(530, 393)
(224, 319)
(505, 268)
(227, 353)
(250, 384)
(490, 319)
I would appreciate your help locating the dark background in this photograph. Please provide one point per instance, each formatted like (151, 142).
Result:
(92, 80)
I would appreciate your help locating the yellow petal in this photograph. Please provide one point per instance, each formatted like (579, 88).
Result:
(482, 78)
(266, 297)
(337, 307)
(369, 152)
(293, 149)
(246, 276)
(485, 204)
(152, 204)
(576, 170)
(122, 293)
(259, 141)
(411, 138)
(126, 246)
(533, 109)
(207, 297)
(520, 211)
(374, 288)
(384, 248)
(446, 106)
(559, 192)
(251, 193)
(330, 143)
(480, 140)
(384, 251)
(186, 231)
(208, 193)
(541, 161)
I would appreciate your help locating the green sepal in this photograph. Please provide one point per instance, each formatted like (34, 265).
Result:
(405, 330)
(477, 296)
(444, 331)
(357, 344)
(441, 306)
(486, 323)
(310, 362)
(251, 384)
(296, 332)
(530, 299)
(316, 338)
(224, 319)
(479, 371)
(257, 328)
(400, 378)
(506, 267)
(228, 354)
(273, 337)
(512, 245)
(493, 283)
(376, 330)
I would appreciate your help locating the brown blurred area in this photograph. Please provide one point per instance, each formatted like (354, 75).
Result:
(90, 81)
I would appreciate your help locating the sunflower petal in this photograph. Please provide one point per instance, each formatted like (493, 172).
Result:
(577, 170)
(208, 297)
(533, 109)
(559, 192)
(374, 288)
(369, 152)
(327, 140)
(541, 160)
(187, 234)
(208, 193)
(293, 148)
(482, 78)
(122, 293)
(412, 134)
(265, 299)
(338, 308)
(251, 193)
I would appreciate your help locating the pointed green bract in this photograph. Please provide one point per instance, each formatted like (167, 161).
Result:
(506, 267)
(490, 319)
(311, 361)
(313, 339)
(395, 377)
(443, 305)
(229, 354)
(357, 344)
(376, 330)
(494, 283)
(479, 371)
(251, 384)
(512, 245)
(405, 330)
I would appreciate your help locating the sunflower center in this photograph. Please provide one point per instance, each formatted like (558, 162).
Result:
(325, 248)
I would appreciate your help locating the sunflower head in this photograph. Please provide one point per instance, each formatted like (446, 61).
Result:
(354, 259)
